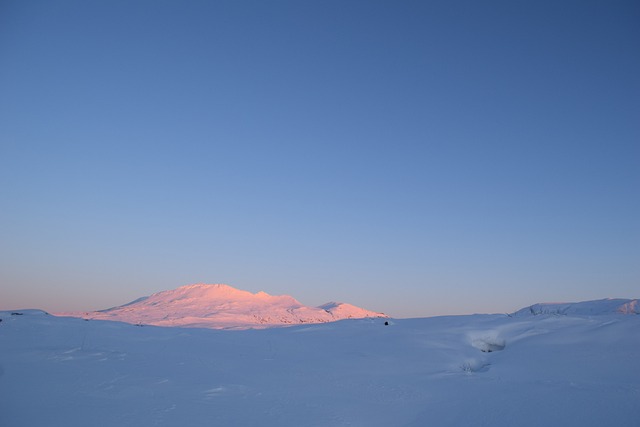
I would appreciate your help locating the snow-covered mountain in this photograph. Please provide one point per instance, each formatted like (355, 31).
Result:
(596, 307)
(223, 307)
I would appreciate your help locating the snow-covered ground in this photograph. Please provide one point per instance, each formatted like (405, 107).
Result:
(552, 370)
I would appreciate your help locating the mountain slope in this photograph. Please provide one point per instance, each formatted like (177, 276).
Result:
(221, 306)
(596, 307)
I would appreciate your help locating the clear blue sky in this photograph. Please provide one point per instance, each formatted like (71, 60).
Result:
(412, 157)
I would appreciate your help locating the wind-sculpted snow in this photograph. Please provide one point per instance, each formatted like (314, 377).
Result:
(550, 370)
(224, 307)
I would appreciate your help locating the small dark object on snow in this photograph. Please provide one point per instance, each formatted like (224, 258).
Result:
(16, 314)
(386, 323)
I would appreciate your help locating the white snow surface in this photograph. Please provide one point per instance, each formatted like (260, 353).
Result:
(476, 370)
(603, 306)
(221, 306)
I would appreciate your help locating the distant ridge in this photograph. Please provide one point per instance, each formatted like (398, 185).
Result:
(220, 306)
(595, 307)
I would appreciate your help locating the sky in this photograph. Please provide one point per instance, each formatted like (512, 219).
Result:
(417, 158)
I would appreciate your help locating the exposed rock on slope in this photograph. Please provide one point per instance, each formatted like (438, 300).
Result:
(221, 307)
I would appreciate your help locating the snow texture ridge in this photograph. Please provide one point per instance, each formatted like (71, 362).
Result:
(220, 306)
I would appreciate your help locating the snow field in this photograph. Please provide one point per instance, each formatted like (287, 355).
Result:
(555, 370)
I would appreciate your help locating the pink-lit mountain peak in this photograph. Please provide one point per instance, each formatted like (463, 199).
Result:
(201, 291)
(222, 306)
(201, 295)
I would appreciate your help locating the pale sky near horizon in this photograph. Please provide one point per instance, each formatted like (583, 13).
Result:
(412, 157)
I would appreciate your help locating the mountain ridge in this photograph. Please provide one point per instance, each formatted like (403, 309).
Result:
(591, 307)
(220, 306)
